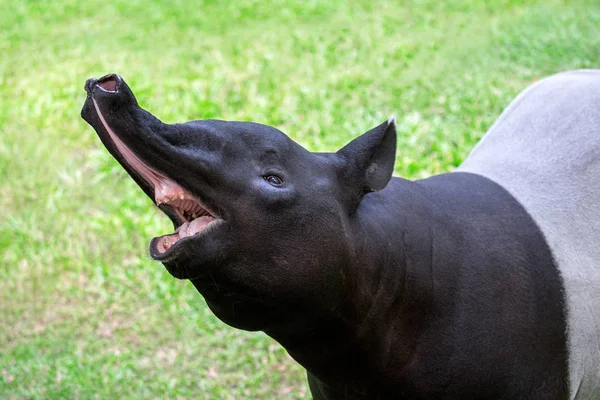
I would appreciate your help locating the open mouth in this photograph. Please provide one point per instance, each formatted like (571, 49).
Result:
(192, 217)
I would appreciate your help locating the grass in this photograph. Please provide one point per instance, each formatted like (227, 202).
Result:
(84, 312)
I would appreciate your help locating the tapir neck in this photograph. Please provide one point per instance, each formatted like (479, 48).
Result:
(423, 251)
(385, 296)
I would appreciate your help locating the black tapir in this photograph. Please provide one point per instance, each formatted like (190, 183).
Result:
(482, 283)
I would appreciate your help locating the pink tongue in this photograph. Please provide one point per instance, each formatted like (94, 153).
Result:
(187, 229)
(182, 231)
(191, 228)
(198, 224)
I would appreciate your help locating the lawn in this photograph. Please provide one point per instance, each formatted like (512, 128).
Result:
(84, 312)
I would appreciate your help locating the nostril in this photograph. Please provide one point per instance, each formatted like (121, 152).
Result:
(109, 83)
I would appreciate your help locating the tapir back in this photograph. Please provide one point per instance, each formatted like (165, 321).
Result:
(545, 150)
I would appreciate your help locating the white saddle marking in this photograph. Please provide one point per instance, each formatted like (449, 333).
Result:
(545, 150)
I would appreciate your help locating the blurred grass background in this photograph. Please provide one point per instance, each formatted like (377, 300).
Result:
(84, 312)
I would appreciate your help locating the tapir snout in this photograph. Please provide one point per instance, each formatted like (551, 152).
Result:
(108, 83)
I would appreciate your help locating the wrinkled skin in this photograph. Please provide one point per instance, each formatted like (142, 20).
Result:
(359, 284)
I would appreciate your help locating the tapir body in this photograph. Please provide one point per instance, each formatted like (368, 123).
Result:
(483, 283)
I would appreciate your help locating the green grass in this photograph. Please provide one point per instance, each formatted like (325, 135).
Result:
(84, 312)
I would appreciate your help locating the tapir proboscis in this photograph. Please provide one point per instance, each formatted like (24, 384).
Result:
(482, 283)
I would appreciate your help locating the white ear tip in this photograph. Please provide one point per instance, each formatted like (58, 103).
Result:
(391, 121)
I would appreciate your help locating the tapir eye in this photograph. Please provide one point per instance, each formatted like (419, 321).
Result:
(273, 180)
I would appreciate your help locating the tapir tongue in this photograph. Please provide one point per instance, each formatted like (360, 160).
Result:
(191, 228)
(187, 229)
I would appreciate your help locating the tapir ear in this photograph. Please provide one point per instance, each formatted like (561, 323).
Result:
(369, 159)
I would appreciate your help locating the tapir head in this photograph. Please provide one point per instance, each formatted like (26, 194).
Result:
(262, 226)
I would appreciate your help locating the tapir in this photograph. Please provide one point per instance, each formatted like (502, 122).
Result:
(481, 283)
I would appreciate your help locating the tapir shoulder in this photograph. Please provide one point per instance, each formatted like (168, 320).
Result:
(545, 150)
